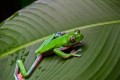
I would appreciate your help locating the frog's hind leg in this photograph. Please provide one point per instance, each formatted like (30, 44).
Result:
(51, 37)
(23, 73)
(16, 72)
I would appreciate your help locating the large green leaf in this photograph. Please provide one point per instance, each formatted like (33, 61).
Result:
(99, 21)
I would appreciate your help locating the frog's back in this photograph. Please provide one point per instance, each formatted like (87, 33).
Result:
(54, 43)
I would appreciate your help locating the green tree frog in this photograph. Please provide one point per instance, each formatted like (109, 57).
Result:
(55, 43)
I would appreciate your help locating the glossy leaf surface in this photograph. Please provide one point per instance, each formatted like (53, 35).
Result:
(99, 21)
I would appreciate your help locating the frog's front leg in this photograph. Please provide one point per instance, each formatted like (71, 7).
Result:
(64, 55)
(76, 51)
(20, 66)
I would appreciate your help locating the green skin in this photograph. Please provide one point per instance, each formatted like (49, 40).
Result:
(55, 43)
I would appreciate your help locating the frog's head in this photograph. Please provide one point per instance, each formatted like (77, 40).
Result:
(76, 37)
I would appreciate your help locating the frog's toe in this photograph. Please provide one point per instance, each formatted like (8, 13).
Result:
(20, 76)
(77, 55)
(79, 50)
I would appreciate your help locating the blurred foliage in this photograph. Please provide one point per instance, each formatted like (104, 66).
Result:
(8, 7)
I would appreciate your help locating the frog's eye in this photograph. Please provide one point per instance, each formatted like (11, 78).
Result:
(72, 39)
(77, 31)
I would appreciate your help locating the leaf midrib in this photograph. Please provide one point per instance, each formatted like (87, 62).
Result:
(41, 39)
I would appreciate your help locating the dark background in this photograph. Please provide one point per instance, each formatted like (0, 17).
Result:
(8, 7)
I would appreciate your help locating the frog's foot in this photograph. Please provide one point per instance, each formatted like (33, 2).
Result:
(74, 53)
(20, 76)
